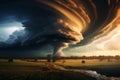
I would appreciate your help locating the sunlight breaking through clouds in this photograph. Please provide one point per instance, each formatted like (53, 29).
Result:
(7, 30)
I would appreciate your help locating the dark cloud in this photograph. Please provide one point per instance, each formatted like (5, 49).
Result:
(55, 23)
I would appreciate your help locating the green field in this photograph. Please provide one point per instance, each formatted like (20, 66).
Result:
(42, 70)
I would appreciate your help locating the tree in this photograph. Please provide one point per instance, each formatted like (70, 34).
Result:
(49, 58)
(83, 59)
(35, 59)
(10, 59)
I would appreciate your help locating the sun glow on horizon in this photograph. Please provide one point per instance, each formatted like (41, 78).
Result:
(98, 53)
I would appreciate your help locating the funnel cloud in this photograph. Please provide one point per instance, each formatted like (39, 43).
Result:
(62, 24)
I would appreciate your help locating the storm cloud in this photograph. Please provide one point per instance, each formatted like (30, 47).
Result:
(57, 23)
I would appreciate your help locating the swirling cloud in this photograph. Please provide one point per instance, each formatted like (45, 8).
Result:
(61, 23)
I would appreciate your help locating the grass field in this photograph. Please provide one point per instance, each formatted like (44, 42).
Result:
(23, 70)
(109, 68)
(42, 70)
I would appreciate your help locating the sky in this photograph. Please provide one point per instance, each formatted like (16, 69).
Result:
(59, 27)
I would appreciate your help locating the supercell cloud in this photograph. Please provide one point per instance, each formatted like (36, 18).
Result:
(58, 23)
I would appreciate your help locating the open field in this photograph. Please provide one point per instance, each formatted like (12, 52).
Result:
(109, 68)
(42, 70)
(23, 70)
